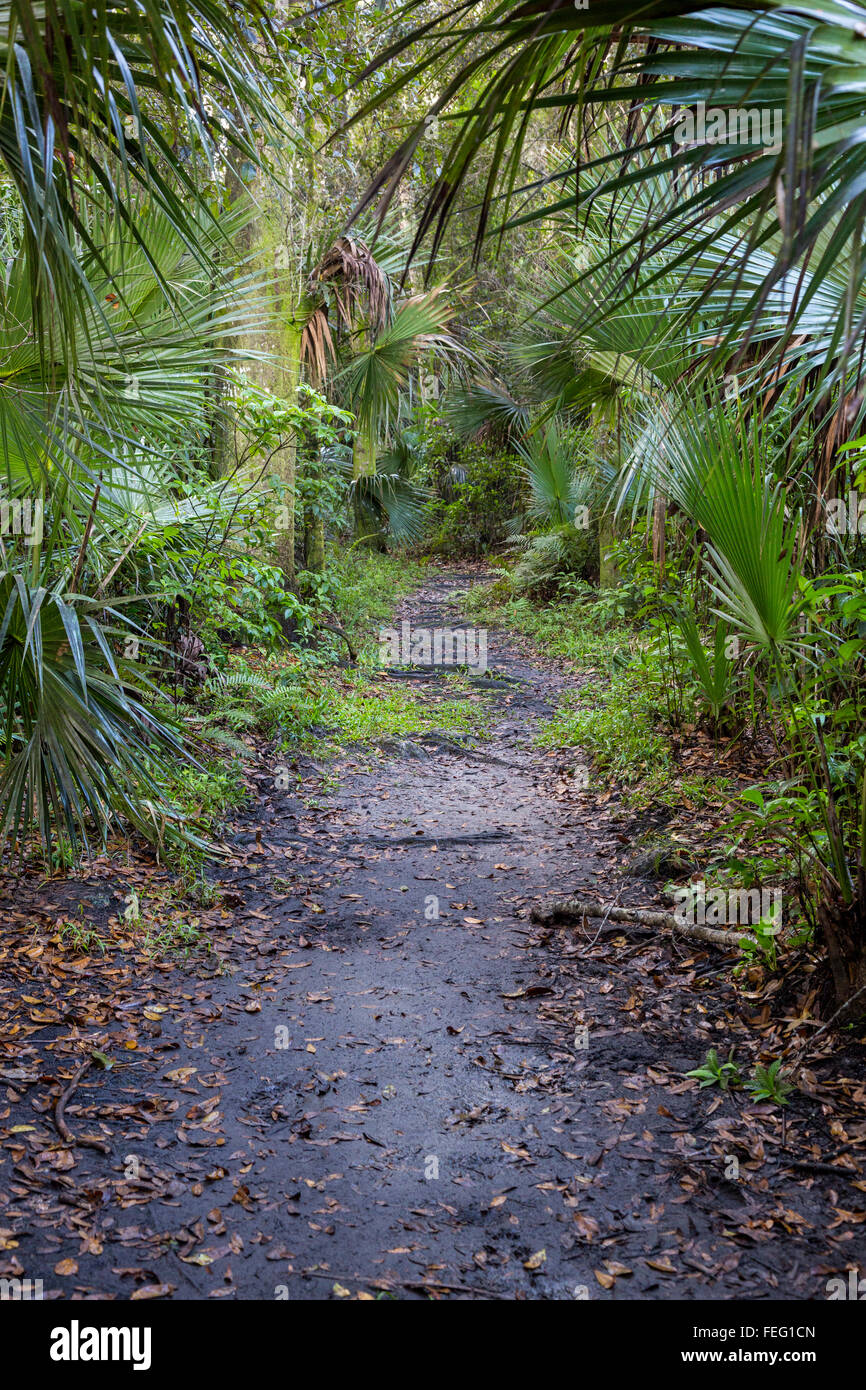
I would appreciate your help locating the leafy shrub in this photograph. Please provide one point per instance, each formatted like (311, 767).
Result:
(478, 491)
(551, 560)
(231, 592)
(617, 727)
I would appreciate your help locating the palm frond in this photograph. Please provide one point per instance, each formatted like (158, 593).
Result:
(392, 503)
(83, 752)
(378, 374)
(799, 196)
(85, 86)
(550, 468)
(484, 403)
(719, 470)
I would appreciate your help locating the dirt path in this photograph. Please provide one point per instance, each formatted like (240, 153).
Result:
(383, 1098)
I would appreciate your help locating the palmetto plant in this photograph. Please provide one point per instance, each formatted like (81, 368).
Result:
(719, 468)
(357, 285)
(716, 467)
(715, 677)
(83, 751)
(509, 62)
(483, 404)
(112, 317)
(93, 428)
(557, 487)
(100, 98)
(130, 384)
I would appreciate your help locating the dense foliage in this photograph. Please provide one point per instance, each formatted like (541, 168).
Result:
(225, 374)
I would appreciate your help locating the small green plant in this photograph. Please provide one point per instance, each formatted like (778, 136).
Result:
(173, 937)
(714, 1072)
(81, 938)
(715, 678)
(62, 856)
(763, 945)
(201, 890)
(207, 793)
(770, 1083)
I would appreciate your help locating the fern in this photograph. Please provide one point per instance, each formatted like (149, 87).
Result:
(228, 741)
(239, 680)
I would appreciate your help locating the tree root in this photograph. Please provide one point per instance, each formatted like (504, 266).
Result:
(60, 1119)
(338, 631)
(575, 909)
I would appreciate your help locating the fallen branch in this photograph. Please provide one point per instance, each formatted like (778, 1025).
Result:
(60, 1119)
(807, 1166)
(575, 909)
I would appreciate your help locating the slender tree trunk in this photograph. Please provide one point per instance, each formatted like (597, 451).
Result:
(314, 543)
(608, 574)
(284, 463)
(274, 347)
(660, 508)
(843, 928)
(367, 532)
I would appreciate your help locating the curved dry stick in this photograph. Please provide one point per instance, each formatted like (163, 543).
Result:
(326, 627)
(60, 1119)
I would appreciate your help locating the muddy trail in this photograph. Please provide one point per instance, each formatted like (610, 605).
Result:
(397, 1085)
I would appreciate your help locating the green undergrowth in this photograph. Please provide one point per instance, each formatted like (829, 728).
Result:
(620, 724)
(588, 633)
(620, 717)
(326, 711)
(305, 697)
(314, 701)
(359, 589)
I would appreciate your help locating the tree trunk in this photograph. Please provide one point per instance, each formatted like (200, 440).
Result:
(367, 532)
(314, 543)
(608, 574)
(273, 361)
(284, 462)
(660, 508)
(843, 928)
